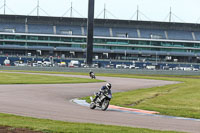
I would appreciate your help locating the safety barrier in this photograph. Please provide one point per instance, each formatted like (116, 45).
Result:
(103, 70)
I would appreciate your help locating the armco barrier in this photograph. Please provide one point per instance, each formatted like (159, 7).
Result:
(103, 70)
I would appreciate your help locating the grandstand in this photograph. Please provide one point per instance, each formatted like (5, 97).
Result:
(123, 40)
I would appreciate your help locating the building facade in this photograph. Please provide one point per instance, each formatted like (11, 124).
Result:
(113, 39)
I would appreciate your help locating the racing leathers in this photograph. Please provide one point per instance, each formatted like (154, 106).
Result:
(91, 73)
(103, 90)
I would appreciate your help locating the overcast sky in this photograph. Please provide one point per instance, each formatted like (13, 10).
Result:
(154, 10)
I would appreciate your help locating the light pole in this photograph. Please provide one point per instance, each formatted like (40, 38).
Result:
(90, 28)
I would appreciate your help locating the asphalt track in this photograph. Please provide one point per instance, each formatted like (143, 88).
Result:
(53, 101)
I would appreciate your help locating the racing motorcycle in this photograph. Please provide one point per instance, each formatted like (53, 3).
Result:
(102, 101)
(92, 76)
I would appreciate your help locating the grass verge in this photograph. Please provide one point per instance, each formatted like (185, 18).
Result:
(181, 99)
(17, 78)
(52, 126)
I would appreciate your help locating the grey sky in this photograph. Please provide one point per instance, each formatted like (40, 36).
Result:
(156, 10)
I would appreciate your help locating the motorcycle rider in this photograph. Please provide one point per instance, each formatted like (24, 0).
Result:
(90, 73)
(103, 90)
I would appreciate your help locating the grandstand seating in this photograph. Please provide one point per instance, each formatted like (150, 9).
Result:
(40, 28)
(122, 39)
(17, 27)
(179, 35)
(197, 35)
(63, 29)
(99, 31)
(121, 32)
(153, 34)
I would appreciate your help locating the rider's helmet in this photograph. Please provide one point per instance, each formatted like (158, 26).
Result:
(108, 85)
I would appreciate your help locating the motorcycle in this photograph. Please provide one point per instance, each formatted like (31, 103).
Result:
(102, 101)
(92, 76)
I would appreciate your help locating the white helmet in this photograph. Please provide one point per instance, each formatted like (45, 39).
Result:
(108, 85)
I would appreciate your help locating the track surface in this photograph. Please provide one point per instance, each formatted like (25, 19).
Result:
(53, 102)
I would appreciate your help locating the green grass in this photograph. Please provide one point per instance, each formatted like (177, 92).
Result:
(167, 97)
(52, 126)
(16, 78)
(181, 99)
(175, 100)
(49, 72)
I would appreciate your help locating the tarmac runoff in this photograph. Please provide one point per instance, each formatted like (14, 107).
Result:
(132, 110)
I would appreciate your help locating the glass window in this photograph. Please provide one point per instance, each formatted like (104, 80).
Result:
(133, 42)
(100, 40)
(32, 38)
(122, 42)
(64, 39)
(143, 42)
(54, 38)
(20, 37)
(43, 38)
(155, 43)
(9, 37)
(78, 40)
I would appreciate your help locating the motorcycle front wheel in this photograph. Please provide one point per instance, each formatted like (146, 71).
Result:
(105, 105)
(92, 105)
